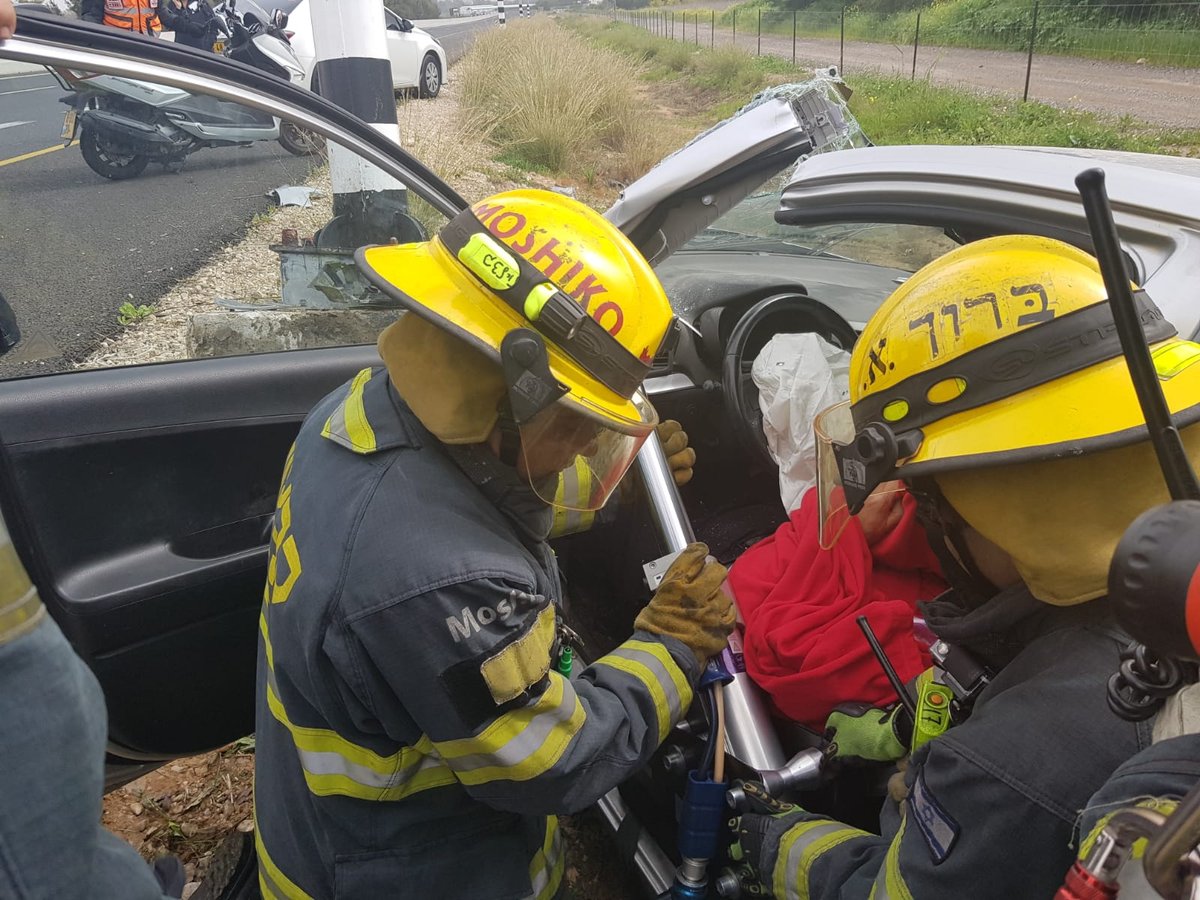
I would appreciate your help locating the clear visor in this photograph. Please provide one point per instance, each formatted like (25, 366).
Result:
(575, 458)
(835, 427)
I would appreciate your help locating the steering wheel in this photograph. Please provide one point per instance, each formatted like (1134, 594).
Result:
(788, 313)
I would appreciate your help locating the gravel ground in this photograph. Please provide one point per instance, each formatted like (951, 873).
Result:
(248, 272)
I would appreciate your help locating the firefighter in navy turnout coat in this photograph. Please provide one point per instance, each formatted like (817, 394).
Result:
(416, 731)
(993, 384)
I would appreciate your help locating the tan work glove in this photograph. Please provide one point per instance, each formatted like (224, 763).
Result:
(680, 456)
(690, 605)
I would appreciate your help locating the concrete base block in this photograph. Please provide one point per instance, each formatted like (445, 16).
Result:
(233, 333)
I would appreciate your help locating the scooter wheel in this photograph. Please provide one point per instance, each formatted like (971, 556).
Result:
(299, 141)
(103, 159)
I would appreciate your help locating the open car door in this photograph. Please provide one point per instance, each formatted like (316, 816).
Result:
(141, 497)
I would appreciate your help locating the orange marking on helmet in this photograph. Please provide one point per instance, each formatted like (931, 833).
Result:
(484, 212)
(552, 255)
(501, 230)
(546, 251)
(609, 306)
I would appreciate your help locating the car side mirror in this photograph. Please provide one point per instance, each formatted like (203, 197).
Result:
(10, 333)
(406, 26)
(280, 19)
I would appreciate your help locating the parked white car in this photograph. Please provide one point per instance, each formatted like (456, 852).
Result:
(418, 60)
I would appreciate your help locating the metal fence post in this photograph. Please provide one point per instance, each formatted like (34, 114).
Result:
(1032, 42)
(672, 24)
(793, 37)
(735, 28)
(916, 43)
(842, 48)
(712, 29)
(758, 52)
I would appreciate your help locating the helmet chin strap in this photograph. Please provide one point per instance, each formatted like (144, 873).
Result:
(948, 541)
(510, 436)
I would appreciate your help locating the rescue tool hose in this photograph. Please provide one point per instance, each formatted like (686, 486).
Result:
(719, 741)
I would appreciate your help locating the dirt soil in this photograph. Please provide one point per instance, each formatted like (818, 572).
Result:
(187, 807)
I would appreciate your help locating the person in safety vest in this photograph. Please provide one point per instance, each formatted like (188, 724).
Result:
(417, 730)
(993, 385)
(139, 16)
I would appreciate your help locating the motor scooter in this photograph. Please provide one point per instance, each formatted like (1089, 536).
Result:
(124, 124)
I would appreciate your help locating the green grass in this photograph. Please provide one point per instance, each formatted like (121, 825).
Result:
(1166, 35)
(899, 111)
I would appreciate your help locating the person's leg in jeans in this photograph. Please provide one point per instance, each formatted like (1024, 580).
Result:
(53, 728)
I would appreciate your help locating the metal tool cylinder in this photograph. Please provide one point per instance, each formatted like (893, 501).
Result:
(750, 736)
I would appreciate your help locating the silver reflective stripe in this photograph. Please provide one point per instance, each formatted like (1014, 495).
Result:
(797, 880)
(569, 499)
(527, 742)
(331, 763)
(655, 665)
(542, 877)
(269, 888)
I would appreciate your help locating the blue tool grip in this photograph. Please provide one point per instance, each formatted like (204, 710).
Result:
(714, 673)
(703, 814)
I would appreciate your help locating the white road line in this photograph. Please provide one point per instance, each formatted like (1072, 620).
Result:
(48, 87)
(26, 75)
(4, 125)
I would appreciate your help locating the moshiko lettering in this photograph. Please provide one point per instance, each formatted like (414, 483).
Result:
(471, 621)
(553, 257)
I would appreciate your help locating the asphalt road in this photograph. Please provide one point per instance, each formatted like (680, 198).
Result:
(456, 35)
(75, 246)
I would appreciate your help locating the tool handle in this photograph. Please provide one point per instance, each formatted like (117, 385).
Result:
(1168, 446)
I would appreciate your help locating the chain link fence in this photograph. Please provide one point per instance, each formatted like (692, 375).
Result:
(1086, 46)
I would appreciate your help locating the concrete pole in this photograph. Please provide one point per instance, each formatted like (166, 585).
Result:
(354, 71)
(500, 10)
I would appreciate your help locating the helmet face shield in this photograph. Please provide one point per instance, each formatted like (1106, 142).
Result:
(837, 440)
(575, 458)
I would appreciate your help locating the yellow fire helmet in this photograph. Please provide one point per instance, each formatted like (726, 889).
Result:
(569, 309)
(1001, 351)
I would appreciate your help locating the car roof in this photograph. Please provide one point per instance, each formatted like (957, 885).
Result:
(1164, 184)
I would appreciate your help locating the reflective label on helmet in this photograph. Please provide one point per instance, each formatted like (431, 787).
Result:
(490, 262)
(1173, 358)
(557, 258)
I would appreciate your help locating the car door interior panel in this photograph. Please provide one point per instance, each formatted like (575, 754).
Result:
(141, 501)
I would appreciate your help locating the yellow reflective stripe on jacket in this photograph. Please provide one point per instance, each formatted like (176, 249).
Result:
(348, 425)
(650, 663)
(272, 883)
(521, 744)
(573, 491)
(333, 765)
(889, 883)
(799, 848)
(546, 868)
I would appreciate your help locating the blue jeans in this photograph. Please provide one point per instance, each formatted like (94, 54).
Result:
(53, 727)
